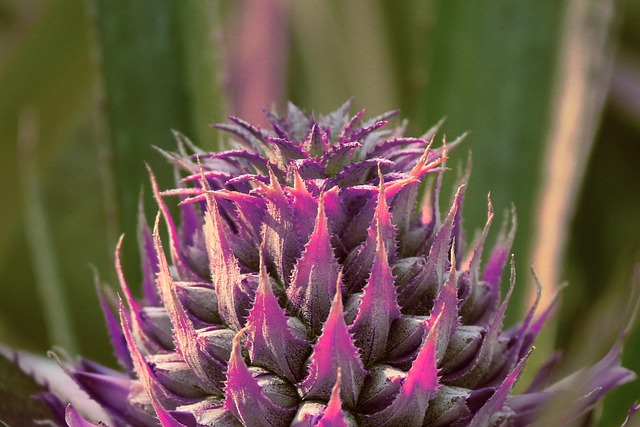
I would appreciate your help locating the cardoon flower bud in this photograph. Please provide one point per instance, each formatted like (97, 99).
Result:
(306, 285)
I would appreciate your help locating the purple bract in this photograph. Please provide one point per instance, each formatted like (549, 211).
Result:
(310, 282)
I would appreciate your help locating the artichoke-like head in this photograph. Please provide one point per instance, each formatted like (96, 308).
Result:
(310, 282)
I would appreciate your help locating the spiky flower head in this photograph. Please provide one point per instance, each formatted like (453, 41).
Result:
(310, 282)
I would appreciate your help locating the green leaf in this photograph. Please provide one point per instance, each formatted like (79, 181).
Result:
(338, 53)
(49, 285)
(492, 72)
(159, 64)
(36, 73)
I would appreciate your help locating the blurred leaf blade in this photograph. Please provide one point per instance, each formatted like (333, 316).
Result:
(52, 292)
(160, 73)
(54, 81)
(200, 26)
(338, 56)
(492, 72)
(584, 71)
(46, 68)
(256, 59)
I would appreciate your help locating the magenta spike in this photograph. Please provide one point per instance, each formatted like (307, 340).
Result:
(314, 276)
(225, 176)
(335, 349)
(423, 165)
(496, 402)
(394, 187)
(469, 375)
(74, 419)
(525, 335)
(384, 228)
(474, 266)
(271, 342)
(426, 209)
(410, 404)
(381, 229)
(281, 240)
(304, 206)
(500, 254)
(416, 296)
(347, 130)
(233, 299)
(397, 144)
(437, 261)
(174, 241)
(134, 308)
(244, 397)
(146, 376)
(444, 314)
(241, 160)
(379, 306)
(316, 142)
(165, 418)
(367, 130)
(539, 321)
(333, 415)
(149, 260)
(457, 234)
(185, 336)
(250, 209)
(247, 212)
(423, 375)
(332, 205)
(115, 331)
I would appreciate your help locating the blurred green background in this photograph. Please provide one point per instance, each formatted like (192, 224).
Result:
(550, 91)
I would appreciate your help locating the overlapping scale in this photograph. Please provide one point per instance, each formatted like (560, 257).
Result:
(308, 286)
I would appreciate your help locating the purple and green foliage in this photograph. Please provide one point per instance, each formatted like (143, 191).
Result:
(310, 282)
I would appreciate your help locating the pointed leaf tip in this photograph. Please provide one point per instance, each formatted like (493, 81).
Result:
(378, 307)
(233, 300)
(438, 259)
(474, 267)
(304, 206)
(279, 230)
(174, 240)
(272, 344)
(496, 402)
(500, 254)
(314, 276)
(335, 349)
(189, 345)
(146, 375)
(422, 167)
(410, 404)
(114, 329)
(381, 229)
(134, 307)
(243, 395)
(472, 375)
(73, 418)
(444, 315)
(333, 415)
(422, 378)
